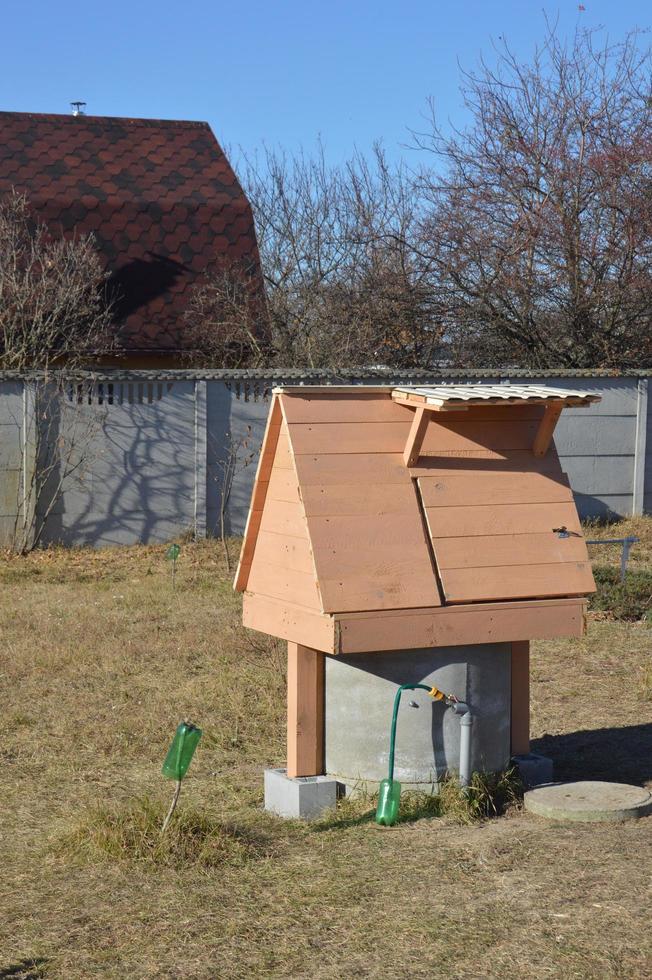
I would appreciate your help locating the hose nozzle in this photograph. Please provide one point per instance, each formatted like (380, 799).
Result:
(436, 694)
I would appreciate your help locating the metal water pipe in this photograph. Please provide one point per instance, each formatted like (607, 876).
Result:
(466, 725)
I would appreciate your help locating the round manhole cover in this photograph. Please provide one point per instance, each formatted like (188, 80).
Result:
(589, 800)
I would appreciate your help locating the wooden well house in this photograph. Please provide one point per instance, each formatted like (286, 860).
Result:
(400, 519)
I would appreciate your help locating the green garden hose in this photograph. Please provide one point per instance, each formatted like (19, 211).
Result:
(389, 793)
(392, 736)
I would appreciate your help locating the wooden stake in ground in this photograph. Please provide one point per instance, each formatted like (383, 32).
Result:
(173, 806)
(172, 554)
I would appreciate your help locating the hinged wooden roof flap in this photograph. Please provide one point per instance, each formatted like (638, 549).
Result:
(460, 398)
(505, 536)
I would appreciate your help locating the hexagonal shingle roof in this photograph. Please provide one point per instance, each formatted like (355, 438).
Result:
(159, 195)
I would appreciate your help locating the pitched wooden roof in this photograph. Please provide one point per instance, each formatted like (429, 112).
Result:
(340, 524)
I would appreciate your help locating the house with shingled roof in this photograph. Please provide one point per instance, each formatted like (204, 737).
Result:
(161, 199)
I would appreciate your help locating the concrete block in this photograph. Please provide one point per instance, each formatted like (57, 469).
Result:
(534, 769)
(303, 798)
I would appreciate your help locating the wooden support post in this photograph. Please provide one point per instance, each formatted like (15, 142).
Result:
(305, 711)
(520, 698)
(546, 428)
(415, 436)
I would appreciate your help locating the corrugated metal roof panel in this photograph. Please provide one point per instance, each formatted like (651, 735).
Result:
(487, 393)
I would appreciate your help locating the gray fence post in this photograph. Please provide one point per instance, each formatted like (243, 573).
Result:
(28, 477)
(640, 448)
(201, 441)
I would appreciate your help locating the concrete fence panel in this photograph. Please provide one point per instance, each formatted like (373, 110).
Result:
(15, 465)
(148, 457)
(135, 473)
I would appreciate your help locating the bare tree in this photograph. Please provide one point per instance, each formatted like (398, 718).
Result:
(235, 455)
(527, 240)
(226, 319)
(343, 282)
(53, 304)
(54, 313)
(538, 220)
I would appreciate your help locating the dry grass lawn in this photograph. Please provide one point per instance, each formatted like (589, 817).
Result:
(100, 659)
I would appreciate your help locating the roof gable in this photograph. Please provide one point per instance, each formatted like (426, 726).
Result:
(159, 195)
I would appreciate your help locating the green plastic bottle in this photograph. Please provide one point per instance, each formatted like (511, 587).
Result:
(181, 751)
(389, 799)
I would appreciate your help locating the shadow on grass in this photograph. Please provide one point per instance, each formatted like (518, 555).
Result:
(347, 815)
(30, 969)
(614, 754)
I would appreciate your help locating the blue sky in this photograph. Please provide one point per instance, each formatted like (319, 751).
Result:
(282, 72)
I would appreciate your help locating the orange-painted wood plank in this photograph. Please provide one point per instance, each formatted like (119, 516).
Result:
(368, 469)
(284, 517)
(284, 583)
(490, 607)
(520, 699)
(483, 519)
(468, 434)
(305, 711)
(283, 485)
(358, 499)
(363, 469)
(341, 566)
(486, 461)
(485, 413)
(518, 581)
(543, 436)
(288, 621)
(265, 463)
(459, 625)
(286, 551)
(378, 589)
(372, 562)
(486, 551)
(361, 407)
(391, 437)
(370, 535)
(495, 488)
(416, 436)
(348, 437)
(283, 457)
